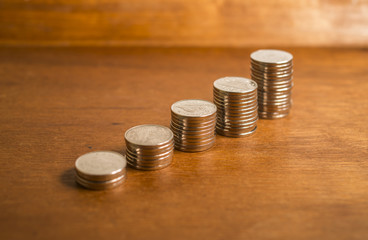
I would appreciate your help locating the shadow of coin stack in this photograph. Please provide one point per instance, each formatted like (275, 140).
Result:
(272, 70)
(149, 147)
(193, 124)
(236, 101)
(100, 170)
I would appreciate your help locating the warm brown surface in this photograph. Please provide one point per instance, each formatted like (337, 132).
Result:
(303, 177)
(184, 23)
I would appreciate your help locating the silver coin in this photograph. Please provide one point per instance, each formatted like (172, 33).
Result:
(238, 129)
(274, 84)
(244, 109)
(194, 145)
(187, 136)
(193, 134)
(279, 101)
(272, 106)
(151, 160)
(100, 185)
(275, 74)
(153, 151)
(237, 117)
(233, 94)
(195, 141)
(195, 148)
(235, 85)
(156, 164)
(275, 88)
(191, 120)
(193, 108)
(142, 162)
(275, 97)
(149, 135)
(273, 115)
(100, 165)
(242, 104)
(270, 68)
(235, 100)
(237, 126)
(271, 56)
(149, 168)
(273, 111)
(235, 134)
(192, 126)
(237, 121)
(233, 113)
(151, 156)
(149, 165)
(266, 79)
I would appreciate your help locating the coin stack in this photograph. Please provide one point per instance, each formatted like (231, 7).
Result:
(236, 101)
(193, 123)
(272, 70)
(149, 147)
(100, 170)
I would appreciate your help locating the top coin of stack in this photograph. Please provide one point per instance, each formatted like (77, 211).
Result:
(236, 101)
(100, 170)
(149, 147)
(272, 70)
(193, 123)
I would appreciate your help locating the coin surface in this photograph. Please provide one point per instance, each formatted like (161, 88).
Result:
(100, 185)
(193, 123)
(237, 106)
(193, 108)
(235, 84)
(100, 170)
(148, 135)
(273, 70)
(271, 56)
(149, 146)
(100, 163)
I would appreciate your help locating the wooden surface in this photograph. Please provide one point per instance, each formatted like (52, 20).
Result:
(184, 23)
(303, 177)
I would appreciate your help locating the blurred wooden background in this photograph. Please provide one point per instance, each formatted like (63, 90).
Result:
(184, 22)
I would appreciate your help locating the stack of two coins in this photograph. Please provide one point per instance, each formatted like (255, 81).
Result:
(272, 70)
(100, 170)
(236, 101)
(149, 147)
(193, 124)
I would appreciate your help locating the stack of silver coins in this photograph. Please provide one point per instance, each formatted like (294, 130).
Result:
(273, 70)
(193, 124)
(236, 101)
(100, 170)
(149, 147)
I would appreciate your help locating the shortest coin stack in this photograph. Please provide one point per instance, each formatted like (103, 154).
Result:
(100, 170)
(149, 147)
(236, 101)
(193, 123)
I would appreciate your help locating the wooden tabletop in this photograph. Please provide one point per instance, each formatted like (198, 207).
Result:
(302, 177)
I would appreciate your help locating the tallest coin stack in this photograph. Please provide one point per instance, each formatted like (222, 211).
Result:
(272, 70)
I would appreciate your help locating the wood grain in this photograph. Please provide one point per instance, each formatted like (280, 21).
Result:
(303, 177)
(184, 23)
